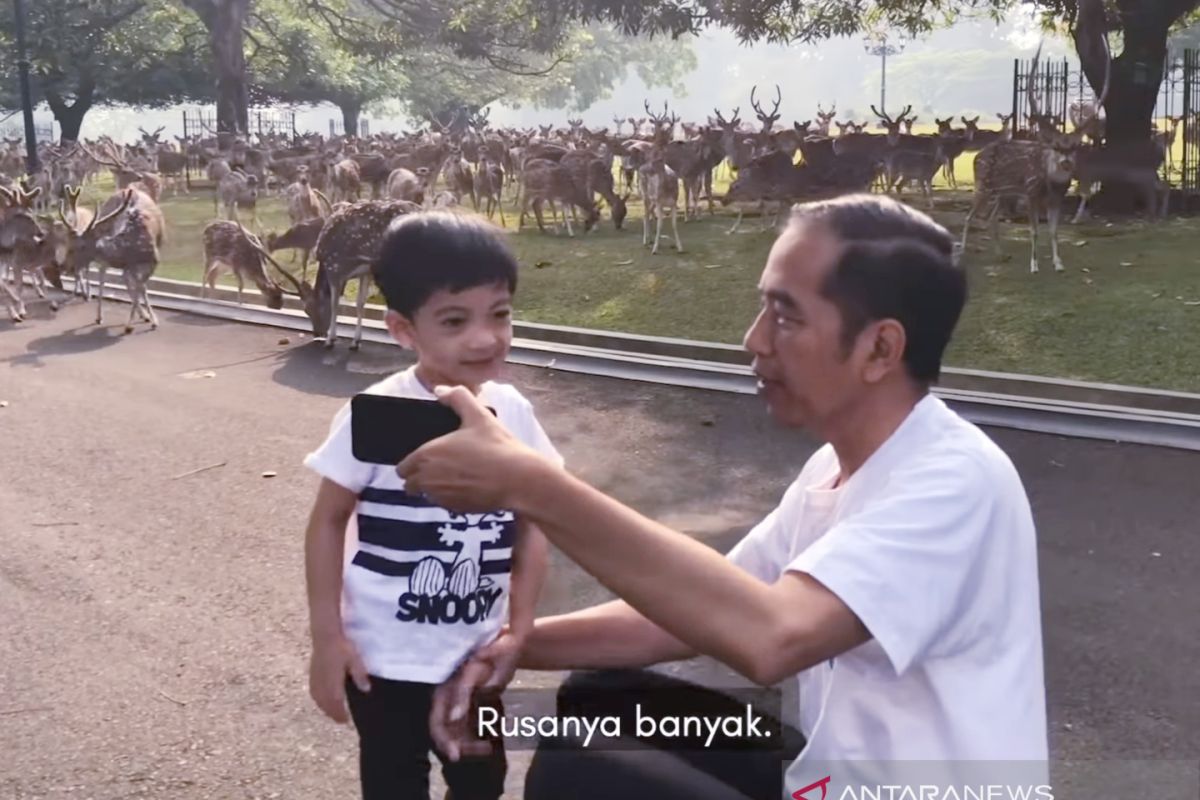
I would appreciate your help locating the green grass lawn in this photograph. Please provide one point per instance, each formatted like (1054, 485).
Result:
(1125, 311)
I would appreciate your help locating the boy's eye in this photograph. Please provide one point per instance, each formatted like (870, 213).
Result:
(453, 322)
(504, 313)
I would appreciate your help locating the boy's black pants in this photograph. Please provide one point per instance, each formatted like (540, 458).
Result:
(394, 744)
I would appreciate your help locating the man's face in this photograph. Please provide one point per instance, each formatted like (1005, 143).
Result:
(462, 338)
(803, 372)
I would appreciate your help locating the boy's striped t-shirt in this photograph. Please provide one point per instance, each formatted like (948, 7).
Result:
(422, 586)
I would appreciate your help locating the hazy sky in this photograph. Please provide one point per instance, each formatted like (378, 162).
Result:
(961, 70)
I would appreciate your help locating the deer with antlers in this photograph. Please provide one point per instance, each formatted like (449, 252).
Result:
(348, 245)
(124, 235)
(125, 174)
(1040, 171)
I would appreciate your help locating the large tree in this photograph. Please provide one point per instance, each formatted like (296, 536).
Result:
(581, 72)
(87, 53)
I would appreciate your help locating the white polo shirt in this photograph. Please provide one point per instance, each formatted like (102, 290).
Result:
(931, 544)
(422, 586)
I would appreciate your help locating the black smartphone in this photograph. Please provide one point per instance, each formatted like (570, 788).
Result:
(385, 430)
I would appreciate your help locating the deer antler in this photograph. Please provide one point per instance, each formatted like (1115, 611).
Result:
(253, 241)
(97, 220)
(882, 116)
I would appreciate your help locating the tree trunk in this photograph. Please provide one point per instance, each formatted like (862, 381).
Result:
(1134, 83)
(225, 21)
(70, 117)
(229, 55)
(351, 110)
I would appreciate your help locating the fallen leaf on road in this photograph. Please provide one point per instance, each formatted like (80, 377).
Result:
(1126, 263)
(714, 266)
(1185, 302)
(3, 404)
(623, 263)
(206, 373)
(269, 474)
(1081, 243)
(540, 264)
(1156, 554)
(284, 340)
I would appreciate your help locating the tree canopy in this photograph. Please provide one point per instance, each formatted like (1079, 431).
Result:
(84, 53)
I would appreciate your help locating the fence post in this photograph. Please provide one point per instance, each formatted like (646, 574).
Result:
(1016, 120)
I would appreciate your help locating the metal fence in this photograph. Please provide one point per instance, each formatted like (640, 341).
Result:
(1189, 166)
(337, 127)
(202, 122)
(16, 130)
(1062, 85)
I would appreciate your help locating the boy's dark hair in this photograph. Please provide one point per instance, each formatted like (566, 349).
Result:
(427, 251)
(895, 263)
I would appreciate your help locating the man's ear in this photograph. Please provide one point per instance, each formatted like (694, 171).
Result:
(400, 327)
(886, 340)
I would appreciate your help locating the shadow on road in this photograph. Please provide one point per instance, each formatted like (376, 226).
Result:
(84, 339)
(337, 372)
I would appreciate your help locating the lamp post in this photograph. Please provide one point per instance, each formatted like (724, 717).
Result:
(31, 159)
(878, 43)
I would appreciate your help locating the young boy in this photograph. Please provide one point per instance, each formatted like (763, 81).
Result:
(425, 586)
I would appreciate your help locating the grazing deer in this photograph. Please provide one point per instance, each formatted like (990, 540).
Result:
(228, 248)
(237, 189)
(1040, 171)
(348, 246)
(125, 235)
(660, 195)
(302, 236)
(600, 181)
(546, 181)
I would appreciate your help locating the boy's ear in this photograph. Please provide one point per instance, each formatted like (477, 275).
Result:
(401, 328)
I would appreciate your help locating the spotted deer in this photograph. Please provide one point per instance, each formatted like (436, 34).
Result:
(660, 196)
(301, 236)
(348, 246)
(545, 181)
(237, 189)
(1039, 171)
(228, 247)
(125, 235)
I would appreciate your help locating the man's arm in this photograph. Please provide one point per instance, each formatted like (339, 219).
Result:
(710, 606)
(609, 635)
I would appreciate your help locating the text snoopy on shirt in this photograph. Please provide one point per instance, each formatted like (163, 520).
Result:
(456, 587)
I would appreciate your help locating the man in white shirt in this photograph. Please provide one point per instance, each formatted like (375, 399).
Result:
(897, 579)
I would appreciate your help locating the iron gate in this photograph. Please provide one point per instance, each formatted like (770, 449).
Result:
(1062, 86)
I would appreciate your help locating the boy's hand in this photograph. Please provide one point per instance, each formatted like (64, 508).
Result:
(449, 720)
(331, 662)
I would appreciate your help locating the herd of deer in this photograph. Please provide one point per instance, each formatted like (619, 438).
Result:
(324, 183)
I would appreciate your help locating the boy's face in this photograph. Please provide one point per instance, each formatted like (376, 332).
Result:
(461, 338)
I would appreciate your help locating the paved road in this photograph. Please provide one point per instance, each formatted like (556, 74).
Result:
(154, 624)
